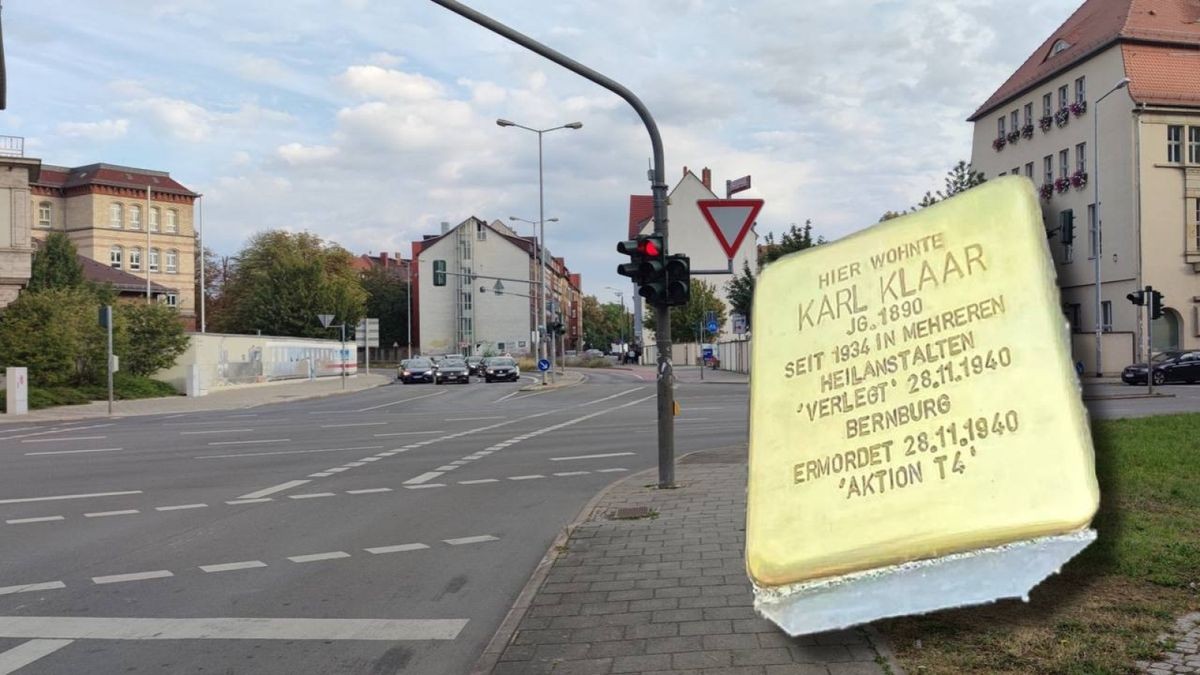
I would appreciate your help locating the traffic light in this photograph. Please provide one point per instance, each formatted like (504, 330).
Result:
(646, 266)
(1156, 308)
(679, 280)
(1137, 297)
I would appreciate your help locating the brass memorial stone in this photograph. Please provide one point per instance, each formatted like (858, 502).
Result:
(913, 399)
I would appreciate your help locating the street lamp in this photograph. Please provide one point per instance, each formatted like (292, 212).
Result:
(620, 296)
(533, 322)
(541, 224)
(1096, 230)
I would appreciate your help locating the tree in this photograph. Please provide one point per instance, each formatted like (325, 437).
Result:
(55, 264)
(794, 239)
(154, 337)
(55, 333)
(281, 281)
(958, 179)
(686, 320)
(387, 300)
(603, 323)
(740, 291)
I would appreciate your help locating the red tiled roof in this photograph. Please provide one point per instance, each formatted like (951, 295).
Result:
(1098, 24)
(641, 209)
(110, 174)
(98, 272)
(1162, 75)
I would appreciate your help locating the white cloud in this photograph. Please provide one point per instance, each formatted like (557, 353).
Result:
(383, 83)
(104, 130)
(188, 121)
(295, 153)
(385, 59)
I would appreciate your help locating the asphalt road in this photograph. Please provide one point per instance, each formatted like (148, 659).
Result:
(378, 532)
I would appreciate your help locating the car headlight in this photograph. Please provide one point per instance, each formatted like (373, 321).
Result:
(407, 373)
(490, 371)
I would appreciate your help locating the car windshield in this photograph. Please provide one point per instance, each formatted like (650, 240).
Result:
(453, 363)
(1165, 356)
(501, 362)
(419, 363)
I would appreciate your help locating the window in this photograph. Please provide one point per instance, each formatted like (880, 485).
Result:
(172, 220)
(135, 259)
(171, 299)
(1072, 312)
(44, 214)
(439, 272)
(115, 215)
(114, 257)
(1028, 114)
(480, 232)
(1194, 145)
(153, 262)
(466, 300)
(1174, 143)
(1014, 121)
(1046, 110)
(1092, 231)
(1016, 171)
(172, 261)
(1066, 233)
(155, 212)
(1064, 162)
(1029, 170)
(1059, 46)
(1196, 213)
(1000, 127)
(1080, 94)
(1062, 97)
(1106, 316)
(1048, 170)
(1081, 157)
(135, 217)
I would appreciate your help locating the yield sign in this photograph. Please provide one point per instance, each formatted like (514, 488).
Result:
(730, 219)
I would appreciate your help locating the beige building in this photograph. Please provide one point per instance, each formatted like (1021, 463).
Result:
(16, 250)
(1138, 150)
(135, 220)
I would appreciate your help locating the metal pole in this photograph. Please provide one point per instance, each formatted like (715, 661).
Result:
(366, 345)
(108, 321)
(542, 334)
(146, 259)
(343, 358)
(408, 297)
(1096, 232)
(1149, 343)
(658, 187)
(203, 263)
(700, 350)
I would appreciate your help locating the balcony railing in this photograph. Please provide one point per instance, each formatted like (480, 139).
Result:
(12, 146)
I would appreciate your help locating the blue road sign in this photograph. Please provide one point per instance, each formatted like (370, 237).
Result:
(543, 365)
(712, 326)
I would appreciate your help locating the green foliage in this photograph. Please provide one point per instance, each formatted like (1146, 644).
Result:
(125, 387)
(282, 281)
(796, 238)
(605, 324)
(958, 179)
(686, 320)
(56, 335)
(740, 291)
(55, 265)
(387, 300)
(154, 337)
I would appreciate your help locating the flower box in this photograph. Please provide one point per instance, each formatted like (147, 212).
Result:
(1027, 130)
(1045, 122)
(1078, 108)
(1062, 117)
(1079, 179)
(998, 144)
(1047, 190)
(1014, 136)
(1061, 185)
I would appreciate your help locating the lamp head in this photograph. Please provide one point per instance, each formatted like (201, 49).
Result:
(574, 125)
(552, 220)
(505, 123)
(1123, 83)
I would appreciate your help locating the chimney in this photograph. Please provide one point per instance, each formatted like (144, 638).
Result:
(706, 178)
(383, 259)
(685, 171)
(445, 226)
(397, 257)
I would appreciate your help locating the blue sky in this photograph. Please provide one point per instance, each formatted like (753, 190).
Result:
(370, 122)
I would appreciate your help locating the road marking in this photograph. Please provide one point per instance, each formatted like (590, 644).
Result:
(354, 424)
(447, 467)
(427, 476)
(28, 588)
(529, 477)
(425, 485)
(572, 473)
(274, 488)
(370, 459)
(104, 514)
(410, 433)
(106, 628)
(311, 495)
(42, 519)
(472, 419)
(478, 481)
(336, 469)
(368, 491)
(180, 507)
(258, 442)
(319, 475)
(235, 502)
(229, 567)
(70, 452)
(600, 456)
(244, 415)
(395, 549)
(611, 470)
(471, 540)
(136, 576)
(27, 652)
(355, 464)
(313, 557)
(61, 439)
(403, 400)
(56, 431)
(286, 452)
(214, 431)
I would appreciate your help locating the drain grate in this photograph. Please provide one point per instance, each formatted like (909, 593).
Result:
(631, 513)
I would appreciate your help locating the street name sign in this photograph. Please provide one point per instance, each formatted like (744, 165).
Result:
(730, 220)
(917, 436)
(737, 185)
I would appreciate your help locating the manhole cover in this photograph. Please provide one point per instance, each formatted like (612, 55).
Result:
(631, 512)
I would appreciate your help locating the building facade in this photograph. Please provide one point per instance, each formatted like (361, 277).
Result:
(17, 172)
(135, 220)
(1119, 178)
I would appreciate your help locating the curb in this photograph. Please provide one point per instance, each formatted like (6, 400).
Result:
(883, 648)
(1120, 397)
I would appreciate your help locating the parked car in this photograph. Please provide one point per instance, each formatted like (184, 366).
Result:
(451, 369)
(416, 370)
(1168, 367)
(475, 364)
(501, 368)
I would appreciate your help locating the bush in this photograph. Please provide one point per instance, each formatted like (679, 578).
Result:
(126, 387)
(590, 362)
(155, 337)
(54, 333)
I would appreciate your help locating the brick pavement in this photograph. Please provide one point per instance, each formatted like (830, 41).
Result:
(667, 593)
(1184, 657)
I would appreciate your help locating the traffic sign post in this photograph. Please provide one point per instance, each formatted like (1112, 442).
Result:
(730, 220)
(366, 335)
(543, 365)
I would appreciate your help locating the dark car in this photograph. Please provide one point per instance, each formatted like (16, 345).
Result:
(1168, 367)
(475, 364)
(451, 369)
(416, 370)
(501, 368)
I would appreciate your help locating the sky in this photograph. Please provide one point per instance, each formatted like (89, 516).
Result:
(369, 122)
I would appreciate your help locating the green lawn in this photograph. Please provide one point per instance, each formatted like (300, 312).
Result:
(125, 387)
(1110, 604)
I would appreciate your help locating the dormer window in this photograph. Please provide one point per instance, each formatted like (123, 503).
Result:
(1059, 46)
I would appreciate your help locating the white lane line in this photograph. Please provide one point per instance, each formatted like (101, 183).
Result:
(478, 481)
(229, 567)
(572, 473)
(425, 485)
(286, 452)
(508, 395)
(403, 400)
(235, 502)
(355, 464)
(600, 456)
(273, 489)
(614, 470)
(180, 507)
(471, 540)
(319, 475)
(214, 431)
(336, 469)
(105, 514)
(425, 477)
(410, 433)
(311, 495)
(447, 467)
(70, 452)
(370, 459)
(368, 491)
(112, 628)
(42, 519)
(244, 415)
(354, 424)
(257, 442)
(56, 431)
(472, 419)
(136, 576)
(63, 438)
(26, 588)
(529, 477)
(27, 652)
(314, 557)
(396, 549)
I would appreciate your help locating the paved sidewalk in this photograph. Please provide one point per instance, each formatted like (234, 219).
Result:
(666, 593)
(1185, 657)
(225, 399)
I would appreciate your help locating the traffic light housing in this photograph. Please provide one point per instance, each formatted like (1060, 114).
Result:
(646, 266)
(679, 280)
(1137, 297)
(1156, 308)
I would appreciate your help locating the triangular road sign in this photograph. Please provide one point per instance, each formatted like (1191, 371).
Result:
(730, 219)
(326, 319)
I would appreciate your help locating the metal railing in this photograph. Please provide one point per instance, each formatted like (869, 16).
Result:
(12, 146)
